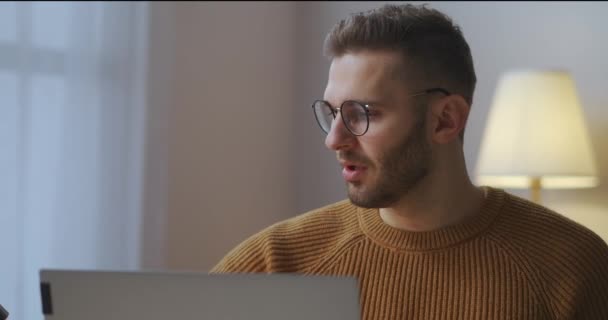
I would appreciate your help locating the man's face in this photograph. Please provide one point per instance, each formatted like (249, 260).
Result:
(393, 156)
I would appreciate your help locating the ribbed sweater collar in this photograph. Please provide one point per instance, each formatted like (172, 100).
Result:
(396, 239)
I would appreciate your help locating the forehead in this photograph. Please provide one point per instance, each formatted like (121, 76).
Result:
(365, 75)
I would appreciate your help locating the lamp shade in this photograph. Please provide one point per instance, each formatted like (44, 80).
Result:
(536, 130)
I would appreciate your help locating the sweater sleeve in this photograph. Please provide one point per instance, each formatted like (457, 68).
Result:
(294, 245)
(580, 286)
(248, 257)
(565, 262)
(572, 265)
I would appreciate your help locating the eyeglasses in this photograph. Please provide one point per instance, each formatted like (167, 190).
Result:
(355, 115)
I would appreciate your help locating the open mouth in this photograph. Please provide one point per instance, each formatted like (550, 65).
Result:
(353, 172)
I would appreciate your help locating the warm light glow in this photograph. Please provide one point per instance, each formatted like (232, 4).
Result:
(547, 182)
(536, 128)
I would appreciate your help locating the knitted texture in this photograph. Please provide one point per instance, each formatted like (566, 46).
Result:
(513, 260)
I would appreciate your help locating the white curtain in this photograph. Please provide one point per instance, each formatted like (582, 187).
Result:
(72, 118)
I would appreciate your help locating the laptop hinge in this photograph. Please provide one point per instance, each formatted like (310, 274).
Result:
(47, 304)
(3, 313)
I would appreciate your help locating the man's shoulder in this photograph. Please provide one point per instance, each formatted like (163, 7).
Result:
(563, 260)
(329, 218)
(297, 243)
(546, 242)
(535, 226)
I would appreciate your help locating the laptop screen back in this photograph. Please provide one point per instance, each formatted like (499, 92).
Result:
(97, 295)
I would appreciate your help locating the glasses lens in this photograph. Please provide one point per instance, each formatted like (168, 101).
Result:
(355, 117)
(324, 115)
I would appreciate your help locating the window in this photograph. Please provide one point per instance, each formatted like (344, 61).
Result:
(71, 112)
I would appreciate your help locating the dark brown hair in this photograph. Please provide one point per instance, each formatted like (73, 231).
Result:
(436, 53)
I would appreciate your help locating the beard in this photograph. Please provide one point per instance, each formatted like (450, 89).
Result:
(400, 169)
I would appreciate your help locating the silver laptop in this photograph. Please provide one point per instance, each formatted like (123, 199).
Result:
(117, 295)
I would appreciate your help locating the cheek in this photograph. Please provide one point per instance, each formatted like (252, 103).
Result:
(375, 147)
(386, 133)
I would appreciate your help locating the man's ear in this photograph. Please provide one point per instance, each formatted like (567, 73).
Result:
(449, 117)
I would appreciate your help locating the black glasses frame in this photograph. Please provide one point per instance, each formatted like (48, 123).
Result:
(335, 111)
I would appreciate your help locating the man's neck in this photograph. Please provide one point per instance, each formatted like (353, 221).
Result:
(433, 205)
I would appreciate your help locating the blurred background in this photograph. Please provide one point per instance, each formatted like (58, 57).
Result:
(159, 135)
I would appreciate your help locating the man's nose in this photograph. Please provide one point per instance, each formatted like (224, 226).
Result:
(338, 137)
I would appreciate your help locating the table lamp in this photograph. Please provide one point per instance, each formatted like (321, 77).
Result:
(536, 135)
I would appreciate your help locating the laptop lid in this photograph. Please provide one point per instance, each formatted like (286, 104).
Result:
(117, 295)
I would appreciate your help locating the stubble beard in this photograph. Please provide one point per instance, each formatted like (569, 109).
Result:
(400, 170)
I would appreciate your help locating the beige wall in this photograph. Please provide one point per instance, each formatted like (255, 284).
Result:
(228, 162)
(230, 169)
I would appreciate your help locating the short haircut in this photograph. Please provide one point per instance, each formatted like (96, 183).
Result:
(435, 51)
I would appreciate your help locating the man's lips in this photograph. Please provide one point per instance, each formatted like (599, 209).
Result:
(352, 171)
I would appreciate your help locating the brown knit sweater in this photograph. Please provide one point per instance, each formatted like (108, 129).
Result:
(514, 260)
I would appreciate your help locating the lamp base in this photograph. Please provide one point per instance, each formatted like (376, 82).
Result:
(535, 189)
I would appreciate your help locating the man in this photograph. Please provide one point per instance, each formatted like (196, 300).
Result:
(423, 241)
